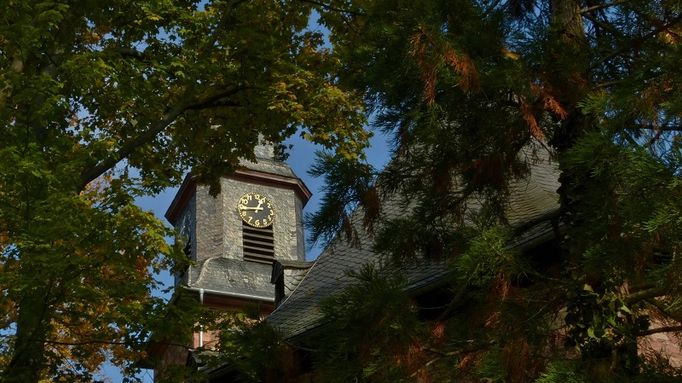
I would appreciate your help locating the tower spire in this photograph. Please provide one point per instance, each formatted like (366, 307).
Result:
(264, 150)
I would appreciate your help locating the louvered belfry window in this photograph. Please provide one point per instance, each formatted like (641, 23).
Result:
(258, 243)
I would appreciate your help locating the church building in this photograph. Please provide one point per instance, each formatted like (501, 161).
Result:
(247, 245)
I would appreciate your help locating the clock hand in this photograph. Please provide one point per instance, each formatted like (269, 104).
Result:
(255, 208)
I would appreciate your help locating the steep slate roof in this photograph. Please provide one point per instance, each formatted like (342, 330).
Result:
(246, 279)
(294, 272)
(532, 200)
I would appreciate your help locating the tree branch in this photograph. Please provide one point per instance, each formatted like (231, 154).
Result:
(664, 128)
(636, 41)
(602, 25)
(660, 330)
(644, 295)
(215, 104)
(332, 8)
(111, 342)
(128, 148)
(441, 354)
(663, 310)
(491, 7)
(453, 303)
(90, 174)
(602, 6)
(131, 53)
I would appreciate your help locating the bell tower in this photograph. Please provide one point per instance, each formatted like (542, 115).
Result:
(235, 237)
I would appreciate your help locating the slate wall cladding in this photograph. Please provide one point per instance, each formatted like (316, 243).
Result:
(287, 224)
(299, 231)
(209, 213)
(216, 230)
(186, 225)
(215, 227)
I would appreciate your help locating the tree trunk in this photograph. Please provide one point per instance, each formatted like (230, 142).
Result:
(567, 69)
(569, 78)
(28, 357)
(567, 74)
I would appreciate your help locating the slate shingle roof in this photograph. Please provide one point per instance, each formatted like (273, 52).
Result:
(294, 272)
(531, 201)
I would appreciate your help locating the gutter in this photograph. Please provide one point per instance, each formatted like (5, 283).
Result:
(202, 291)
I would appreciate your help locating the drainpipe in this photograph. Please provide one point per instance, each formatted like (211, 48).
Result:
(201, 326)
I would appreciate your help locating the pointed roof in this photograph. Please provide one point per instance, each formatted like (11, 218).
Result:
(266, 170)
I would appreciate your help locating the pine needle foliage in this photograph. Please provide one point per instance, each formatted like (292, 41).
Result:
(387, 348)
(473, 93)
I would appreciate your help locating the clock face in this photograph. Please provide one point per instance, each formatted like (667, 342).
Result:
(256, 210)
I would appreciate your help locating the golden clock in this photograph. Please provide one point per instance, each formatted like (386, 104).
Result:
(256, 210)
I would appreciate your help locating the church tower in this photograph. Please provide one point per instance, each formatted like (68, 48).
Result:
(246, 245)
(236, 237)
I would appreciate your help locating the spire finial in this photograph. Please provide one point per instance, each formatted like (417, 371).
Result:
(265, 150)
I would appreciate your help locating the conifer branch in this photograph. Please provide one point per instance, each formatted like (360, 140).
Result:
(491, 7)
(664, 128)
(602, 25)
(606, 84)
(637, 40)
(453, 303)
(602, 6)
(443, 354)
(459, 352)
